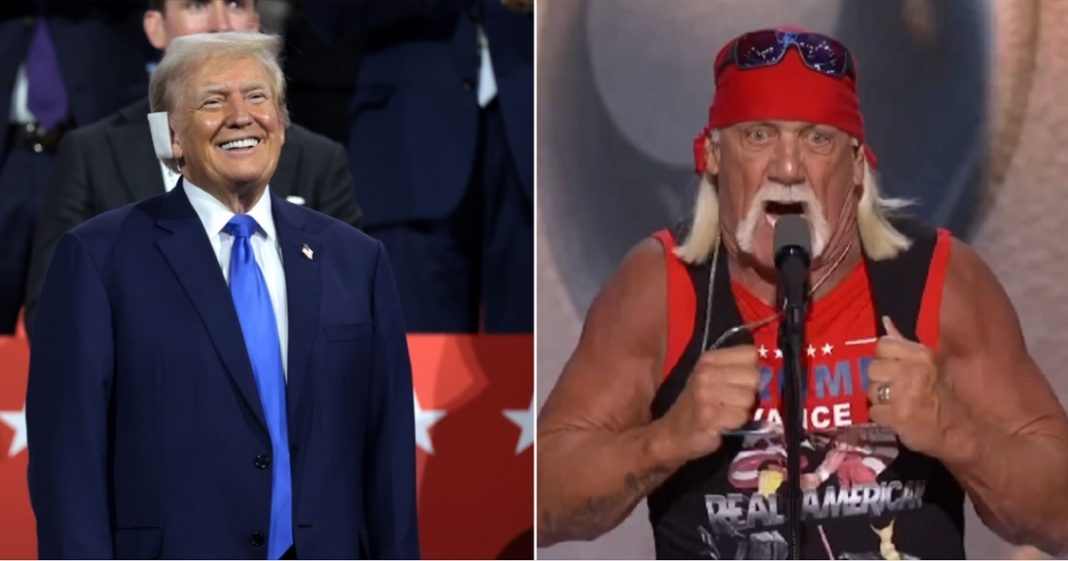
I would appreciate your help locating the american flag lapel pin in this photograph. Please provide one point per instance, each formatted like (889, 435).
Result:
(307, 251)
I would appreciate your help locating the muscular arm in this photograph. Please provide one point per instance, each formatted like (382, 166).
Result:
(1011, 435)
(596, 451)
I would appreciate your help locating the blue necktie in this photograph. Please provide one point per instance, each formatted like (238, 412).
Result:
(254, 312)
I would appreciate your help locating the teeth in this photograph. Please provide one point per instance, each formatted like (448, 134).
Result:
(243, 143)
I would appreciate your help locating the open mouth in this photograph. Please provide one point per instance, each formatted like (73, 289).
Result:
(240, 144)
(774, 210)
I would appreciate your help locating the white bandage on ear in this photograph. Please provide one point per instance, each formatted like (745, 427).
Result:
(161, 134)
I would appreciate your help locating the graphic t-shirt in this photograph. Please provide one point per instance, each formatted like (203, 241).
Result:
(864, 496)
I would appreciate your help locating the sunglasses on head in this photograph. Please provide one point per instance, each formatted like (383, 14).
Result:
(758, 49)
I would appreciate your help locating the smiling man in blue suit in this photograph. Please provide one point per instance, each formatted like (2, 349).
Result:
(216, 372)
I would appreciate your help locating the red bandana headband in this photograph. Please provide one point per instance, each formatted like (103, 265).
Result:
(787, 91)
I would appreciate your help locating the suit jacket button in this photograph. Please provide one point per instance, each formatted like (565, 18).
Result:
(262, 462)
(257, 539)
(469, 84)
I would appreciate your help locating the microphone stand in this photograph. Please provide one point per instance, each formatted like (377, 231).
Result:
(794, 380)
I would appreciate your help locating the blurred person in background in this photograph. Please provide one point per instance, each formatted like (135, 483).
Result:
(320, 76)
(112, 163)
(63, 64)
(441, 146)
(907, 329)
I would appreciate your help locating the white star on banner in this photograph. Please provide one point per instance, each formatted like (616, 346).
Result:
(778, 353)
(827, 348)
(763, 351)
(524, 419)
(424, 419)
(17, 421)
(811, 351)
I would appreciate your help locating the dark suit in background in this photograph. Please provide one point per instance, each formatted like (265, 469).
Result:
(148, 438)
(445, 184)
(320, 77)
(102, 51)
(112, 163)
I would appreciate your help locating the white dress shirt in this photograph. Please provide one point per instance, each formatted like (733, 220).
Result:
(170, 179)
(214, 215)
(487, 81)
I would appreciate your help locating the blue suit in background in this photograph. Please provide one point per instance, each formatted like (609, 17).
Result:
(147, 436)
(102, 52)
(446, 184)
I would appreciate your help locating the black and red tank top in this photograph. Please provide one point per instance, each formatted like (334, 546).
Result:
(865, 496)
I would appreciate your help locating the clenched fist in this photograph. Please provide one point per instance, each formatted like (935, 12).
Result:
(908, 392)
(719, 396)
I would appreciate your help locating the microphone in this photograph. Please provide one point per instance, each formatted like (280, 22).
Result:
(793, 255)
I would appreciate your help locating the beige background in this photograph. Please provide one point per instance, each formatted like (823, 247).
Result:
(1018, 229)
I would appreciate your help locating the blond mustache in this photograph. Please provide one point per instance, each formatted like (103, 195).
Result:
(777, 192)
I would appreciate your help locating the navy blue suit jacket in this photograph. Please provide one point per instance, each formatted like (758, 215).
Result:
(143, 413)
(414, 117)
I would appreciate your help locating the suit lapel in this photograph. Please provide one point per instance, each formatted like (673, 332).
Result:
(303, 288)
(138, 165)
(189, 253)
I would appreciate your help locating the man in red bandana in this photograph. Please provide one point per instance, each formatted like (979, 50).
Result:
(920, 389)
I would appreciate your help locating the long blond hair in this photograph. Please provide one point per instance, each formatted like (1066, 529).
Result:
(878, 237)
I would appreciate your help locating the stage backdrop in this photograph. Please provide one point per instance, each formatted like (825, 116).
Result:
(964, 104)
(474, 436)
